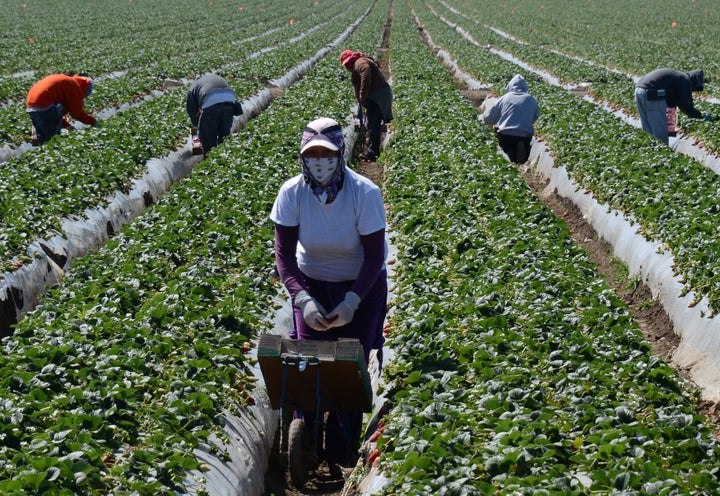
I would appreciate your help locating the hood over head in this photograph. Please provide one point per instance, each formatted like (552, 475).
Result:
(517, 84)
(86, 84)
(697, 79)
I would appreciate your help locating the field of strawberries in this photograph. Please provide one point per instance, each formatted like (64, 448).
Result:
(131, 299)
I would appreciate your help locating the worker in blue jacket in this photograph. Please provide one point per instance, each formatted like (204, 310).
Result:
(663, 88)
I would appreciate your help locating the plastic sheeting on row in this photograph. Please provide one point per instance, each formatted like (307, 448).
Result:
(699, 350)
(20, 290)
(238, 466)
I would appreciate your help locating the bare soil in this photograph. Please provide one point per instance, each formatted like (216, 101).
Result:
(654, 322)
(277, 482)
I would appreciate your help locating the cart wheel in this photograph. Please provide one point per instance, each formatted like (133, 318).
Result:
(299, 452)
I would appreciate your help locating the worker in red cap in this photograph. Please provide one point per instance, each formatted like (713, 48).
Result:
(372, 92)
(54, 96)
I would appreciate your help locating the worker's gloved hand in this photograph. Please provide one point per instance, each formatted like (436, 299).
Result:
(313, 312)
(708, 117)
(343, 313)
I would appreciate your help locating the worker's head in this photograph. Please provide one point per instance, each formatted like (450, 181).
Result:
(86, 84)
(348, 58)
(321, 151)
(697, 79)
(517, 84)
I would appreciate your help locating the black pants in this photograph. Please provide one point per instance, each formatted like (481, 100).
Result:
(214, 125)
(517, 148)
(374, 129)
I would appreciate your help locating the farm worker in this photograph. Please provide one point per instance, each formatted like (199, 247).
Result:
(211, 105)
(514, 115)
(330, 253)
(372, 92)
(663, 88)
(54, 96)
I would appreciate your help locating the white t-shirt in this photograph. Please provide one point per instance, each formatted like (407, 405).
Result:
(329, 247)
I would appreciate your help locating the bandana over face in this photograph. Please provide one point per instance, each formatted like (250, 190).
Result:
(322, 168)
(326, 182)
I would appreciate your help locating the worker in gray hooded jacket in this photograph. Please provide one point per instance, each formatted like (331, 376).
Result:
(663, 88)
(514, 115)
(211, 105)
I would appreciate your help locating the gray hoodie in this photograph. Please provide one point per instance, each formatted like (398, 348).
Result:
(515, 112)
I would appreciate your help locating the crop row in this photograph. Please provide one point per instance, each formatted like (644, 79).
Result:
(670, 196)
(517, 371)
(604, 84)
(170, 40)
(634, 37)
(82, 170)
(137, 358)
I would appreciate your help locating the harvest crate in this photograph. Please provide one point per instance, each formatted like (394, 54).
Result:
(344, 380)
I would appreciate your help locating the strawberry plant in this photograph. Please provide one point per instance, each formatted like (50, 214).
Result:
(517, 371)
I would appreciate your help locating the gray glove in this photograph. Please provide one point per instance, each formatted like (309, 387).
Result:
(343, 313)
(313, 312)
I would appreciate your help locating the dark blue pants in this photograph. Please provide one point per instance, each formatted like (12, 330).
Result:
(342, 430)
(214, 125)
(48, 122)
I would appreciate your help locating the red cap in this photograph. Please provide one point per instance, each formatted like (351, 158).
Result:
(345, 56)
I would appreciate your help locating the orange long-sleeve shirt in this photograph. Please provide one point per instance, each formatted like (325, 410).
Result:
(70, 91)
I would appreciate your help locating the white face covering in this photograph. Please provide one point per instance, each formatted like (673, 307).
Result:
(322, 169)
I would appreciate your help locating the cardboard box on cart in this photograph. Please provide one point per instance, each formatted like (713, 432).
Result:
(344, 380)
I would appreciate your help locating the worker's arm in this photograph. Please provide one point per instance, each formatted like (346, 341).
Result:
(75, 105)
(685, 104)
(364, 71)
(286, 240)
(374, 258)
(193, 107)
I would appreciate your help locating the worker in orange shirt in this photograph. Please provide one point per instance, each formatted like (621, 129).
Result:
(54, 96)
